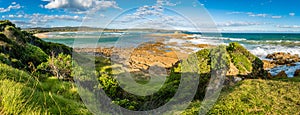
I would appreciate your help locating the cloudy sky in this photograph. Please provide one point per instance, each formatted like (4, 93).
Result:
(223, 15)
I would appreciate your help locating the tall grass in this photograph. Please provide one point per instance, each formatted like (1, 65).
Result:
(257, 97)
(21, 93)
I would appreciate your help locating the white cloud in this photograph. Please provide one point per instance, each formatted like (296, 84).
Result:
(15, 16)
(20, 22)
(251, 14)
(258, 15)
(276, 17)
(288, 26)
(81, 6)
(235, 13)
(41, 6)
(42, 19)
(13, 5)
(235, 24)
(155, 10)
(292, 14)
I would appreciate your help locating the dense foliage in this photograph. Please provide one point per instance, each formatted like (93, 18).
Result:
(22, 46)
(60, 66)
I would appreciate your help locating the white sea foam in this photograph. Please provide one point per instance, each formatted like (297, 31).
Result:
(263, 50)
(289, 70)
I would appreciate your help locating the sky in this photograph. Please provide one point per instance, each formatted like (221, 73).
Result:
(192, 15)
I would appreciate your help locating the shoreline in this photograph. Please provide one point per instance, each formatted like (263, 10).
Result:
(183, 48)
(42, 35)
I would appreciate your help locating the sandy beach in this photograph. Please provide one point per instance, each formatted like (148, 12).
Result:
(42, 35)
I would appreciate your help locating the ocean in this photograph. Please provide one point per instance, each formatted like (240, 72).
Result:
(260, 44)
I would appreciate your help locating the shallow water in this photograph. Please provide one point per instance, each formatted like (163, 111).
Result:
(260, 44)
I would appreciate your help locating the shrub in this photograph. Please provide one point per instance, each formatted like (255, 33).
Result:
(33, 54)
(60, 66)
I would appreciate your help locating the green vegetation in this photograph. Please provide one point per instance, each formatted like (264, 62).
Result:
(256, 97)
(22, 93)
(36, 78)
(20, 46)
(25, 89)
(60, 66)
(248, 64)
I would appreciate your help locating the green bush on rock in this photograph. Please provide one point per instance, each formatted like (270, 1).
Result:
(248, 64)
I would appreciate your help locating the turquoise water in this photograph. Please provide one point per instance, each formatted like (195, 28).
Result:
(264, 36)
(97, 39)
(260, 44)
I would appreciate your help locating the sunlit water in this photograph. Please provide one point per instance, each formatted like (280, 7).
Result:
(260, 44)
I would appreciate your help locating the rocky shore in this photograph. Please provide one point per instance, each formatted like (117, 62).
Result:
(141, 58)
(279, 59)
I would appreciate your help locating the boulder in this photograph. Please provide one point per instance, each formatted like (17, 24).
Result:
(233, 71)
(297, 73)
(268, 64)
(281, 74)
(247, 64)
(269, 75)
(281, 58)
(230, 81)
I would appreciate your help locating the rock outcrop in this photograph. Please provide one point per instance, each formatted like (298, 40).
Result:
(268, 64)
(248, 65)
(281, 58)
(281, 74)
(239, 61)
(297, 73)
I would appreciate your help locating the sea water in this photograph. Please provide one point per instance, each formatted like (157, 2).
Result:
(260, 44)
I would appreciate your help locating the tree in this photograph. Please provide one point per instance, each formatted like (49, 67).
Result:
(60, 66)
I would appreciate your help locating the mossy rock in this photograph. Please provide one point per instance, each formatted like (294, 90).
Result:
(217, 61)
(248, 64)
(242, 63)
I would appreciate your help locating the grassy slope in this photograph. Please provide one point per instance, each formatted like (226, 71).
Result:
(21, 93)
(257, 97)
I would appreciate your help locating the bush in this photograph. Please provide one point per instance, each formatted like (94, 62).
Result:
(60, 66)
(33, 54)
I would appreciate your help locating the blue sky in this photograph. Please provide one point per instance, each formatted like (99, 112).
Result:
(226, 15)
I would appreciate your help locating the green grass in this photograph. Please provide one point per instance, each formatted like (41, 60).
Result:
(242, 63)
(257, 97)
(21, 93)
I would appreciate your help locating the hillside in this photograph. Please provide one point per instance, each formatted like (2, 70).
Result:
(24, 89)
(256, 96)
(36, 78)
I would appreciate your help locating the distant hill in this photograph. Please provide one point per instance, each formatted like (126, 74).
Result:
(84, 28)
